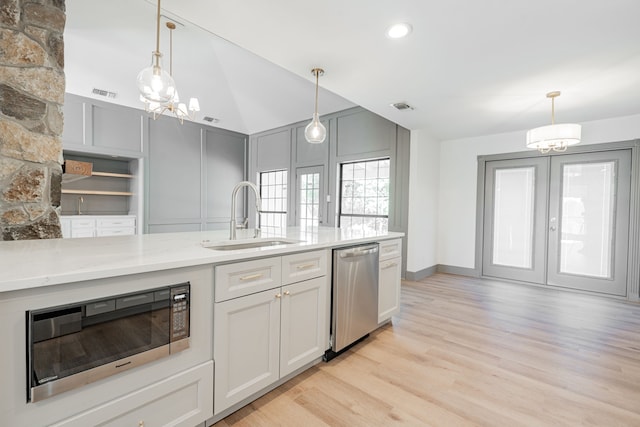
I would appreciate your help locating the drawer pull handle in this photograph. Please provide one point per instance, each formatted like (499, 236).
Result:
(252, 276)
(391, 264)
(305, 266)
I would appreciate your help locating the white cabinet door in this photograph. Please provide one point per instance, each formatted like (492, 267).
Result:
(246, 346)
(389, 288)
(305, 328)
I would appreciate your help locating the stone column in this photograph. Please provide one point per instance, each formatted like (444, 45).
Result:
(32, 88)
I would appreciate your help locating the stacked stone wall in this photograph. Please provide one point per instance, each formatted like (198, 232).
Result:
(32, 86)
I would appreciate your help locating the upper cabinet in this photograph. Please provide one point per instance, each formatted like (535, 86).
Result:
(95, 127)
(117, 128)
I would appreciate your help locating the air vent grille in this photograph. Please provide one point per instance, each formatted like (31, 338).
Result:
(105, 93)
(402, 106)
(210, 119)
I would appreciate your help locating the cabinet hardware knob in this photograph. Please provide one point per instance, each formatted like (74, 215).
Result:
(278, 295)
(140, 423)
(287, 293)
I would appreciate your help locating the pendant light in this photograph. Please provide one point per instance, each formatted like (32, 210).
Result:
(174, 105)
(315, 132)
(556, 137)
(154, 83)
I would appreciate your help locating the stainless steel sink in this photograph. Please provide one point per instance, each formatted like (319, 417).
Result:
(232, 245)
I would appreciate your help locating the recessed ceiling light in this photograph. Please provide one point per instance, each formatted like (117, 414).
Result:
(397, 31)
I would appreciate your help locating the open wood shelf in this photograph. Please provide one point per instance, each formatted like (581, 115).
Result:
(97, 192)
(112, 174)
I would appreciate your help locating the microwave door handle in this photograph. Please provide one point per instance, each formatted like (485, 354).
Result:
(134, 298)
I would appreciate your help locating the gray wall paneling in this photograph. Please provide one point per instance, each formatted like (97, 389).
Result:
(224, 161)
(352, 135)
(175, 170)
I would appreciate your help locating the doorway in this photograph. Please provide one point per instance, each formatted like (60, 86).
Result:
(559, 220)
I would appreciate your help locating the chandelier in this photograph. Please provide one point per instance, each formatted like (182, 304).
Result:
(158, 89)
(556, 137)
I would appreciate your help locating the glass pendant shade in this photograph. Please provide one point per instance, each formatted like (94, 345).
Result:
(154, 83)
(315, 132)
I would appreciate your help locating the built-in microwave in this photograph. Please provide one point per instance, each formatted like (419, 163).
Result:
(72, 345)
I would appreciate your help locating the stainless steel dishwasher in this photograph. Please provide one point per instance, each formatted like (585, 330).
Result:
(354, 296)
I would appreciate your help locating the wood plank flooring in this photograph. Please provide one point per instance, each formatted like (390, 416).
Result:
(467, 352)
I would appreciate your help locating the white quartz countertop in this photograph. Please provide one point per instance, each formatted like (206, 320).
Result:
(35, 263)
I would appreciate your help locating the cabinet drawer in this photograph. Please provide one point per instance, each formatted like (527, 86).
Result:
(120, 222)
(82, 232)
(181, 400)
(82, 223)
(244, 278)
(303, 266)
(127, 231)
(390, 249)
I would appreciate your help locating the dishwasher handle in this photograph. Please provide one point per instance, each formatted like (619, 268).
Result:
(358, 251)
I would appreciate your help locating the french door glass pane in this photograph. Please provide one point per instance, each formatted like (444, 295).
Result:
(514, 192)
(309, 200)
(587, 219)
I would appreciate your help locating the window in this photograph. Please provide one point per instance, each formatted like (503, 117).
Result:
(273, 192)
(364, 195)
(309, 198)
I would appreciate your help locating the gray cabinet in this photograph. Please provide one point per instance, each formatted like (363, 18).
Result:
(73, 135)
(117, 128)
(92, 126)
(175, 170)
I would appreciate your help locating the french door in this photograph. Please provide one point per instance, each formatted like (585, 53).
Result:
(310, 195)
(559, 220)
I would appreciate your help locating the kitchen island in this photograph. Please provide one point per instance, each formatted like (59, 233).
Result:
(177, 389)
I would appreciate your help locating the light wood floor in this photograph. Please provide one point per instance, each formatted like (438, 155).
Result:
(468, 352)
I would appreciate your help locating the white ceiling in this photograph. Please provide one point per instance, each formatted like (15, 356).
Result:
(469, 67)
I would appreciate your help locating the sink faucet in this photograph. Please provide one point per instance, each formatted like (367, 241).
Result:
(234, 195)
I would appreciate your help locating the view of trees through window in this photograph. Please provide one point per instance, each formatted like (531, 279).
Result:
(273, 192)
(309, 206)
(364, 195)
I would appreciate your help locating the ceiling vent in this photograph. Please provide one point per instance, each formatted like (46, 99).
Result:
(402, 106)
(105, 93)
(210, 119)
